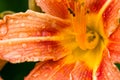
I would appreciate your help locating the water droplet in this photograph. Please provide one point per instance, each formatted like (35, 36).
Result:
(22, 35)
(16, 21)
(35, 75)
(17, 56)
(22, 24)
(9, 42)
(3, 30)
(108, 74)
(119, 11)
(45, 75)
(29, 17)
(11, 21)
(45, 33)
(24, 45)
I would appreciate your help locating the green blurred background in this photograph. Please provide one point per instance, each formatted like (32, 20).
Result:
(17, 71)
(14, 5)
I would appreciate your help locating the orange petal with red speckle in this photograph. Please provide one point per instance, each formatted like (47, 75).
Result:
(114, 45)
(107, 69)
(95, 5)
(28, 37)
(54, 7)
(111, 17)
(58, 70)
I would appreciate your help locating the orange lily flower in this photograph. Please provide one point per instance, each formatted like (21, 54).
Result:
(73, 39)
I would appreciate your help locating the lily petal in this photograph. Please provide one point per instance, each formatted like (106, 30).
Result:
(107, 70)
(54, 7)
(54, 70)
(114, 46)
(81, 72)
(31, 36)
(95, 5)
(111, 17)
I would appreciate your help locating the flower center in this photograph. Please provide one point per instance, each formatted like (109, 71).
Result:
(92, 39)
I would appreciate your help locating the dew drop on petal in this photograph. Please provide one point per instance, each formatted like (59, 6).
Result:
(22, 24)
(119, 11)
(21, 35)
(10, 43)
(35, 59)
(24, 45)
(45, 75)
(3, 30)
(38, 1)
(45, 33)
(29, 17)
(71, 77)
(108, 74)
(35, 75)
(16, 21)
(17, 56)
(11, 21)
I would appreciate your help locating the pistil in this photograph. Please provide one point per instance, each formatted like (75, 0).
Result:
(85, 37)
(92, 39)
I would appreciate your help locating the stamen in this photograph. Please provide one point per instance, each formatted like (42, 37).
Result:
(79, 23)
(85, 37)
(71, 12)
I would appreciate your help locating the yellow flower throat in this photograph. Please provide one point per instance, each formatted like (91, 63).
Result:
(89, 35)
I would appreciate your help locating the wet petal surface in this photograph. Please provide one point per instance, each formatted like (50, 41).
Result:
(31, 36)
(54, 7)
(107, 69)
(111, 17)
(54, 70)
(114, 46)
